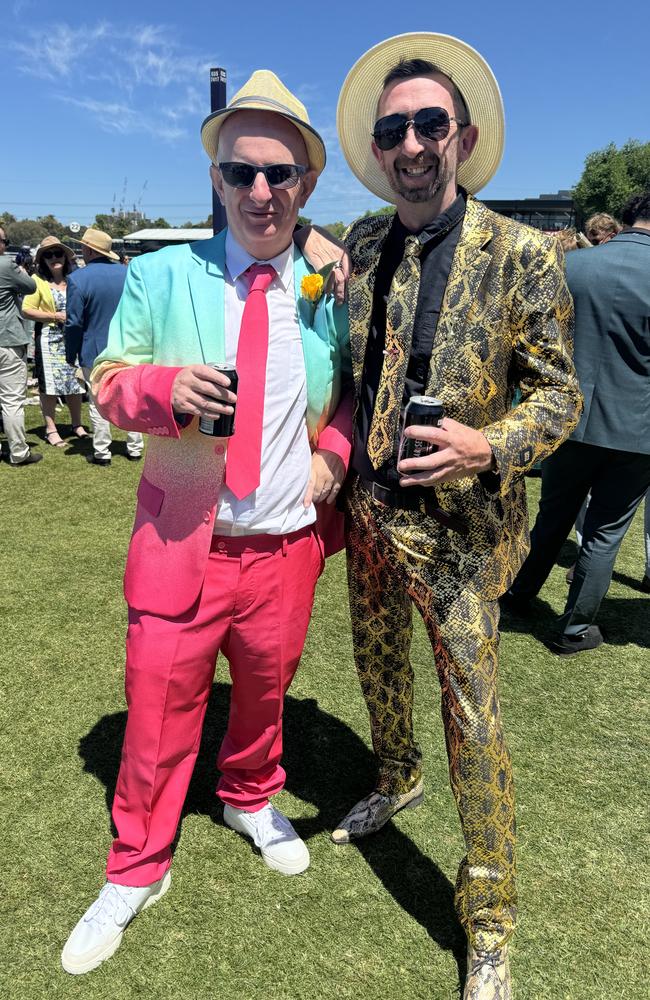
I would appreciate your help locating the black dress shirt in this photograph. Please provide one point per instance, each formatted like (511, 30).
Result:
(438, 241)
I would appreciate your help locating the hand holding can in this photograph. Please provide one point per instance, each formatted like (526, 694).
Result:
(224, 424)
(203, 391)
(423, 411)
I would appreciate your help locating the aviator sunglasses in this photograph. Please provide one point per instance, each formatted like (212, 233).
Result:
(429, 123)
(278, 175)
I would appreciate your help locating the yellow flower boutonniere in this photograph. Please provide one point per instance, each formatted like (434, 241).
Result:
(312, 286)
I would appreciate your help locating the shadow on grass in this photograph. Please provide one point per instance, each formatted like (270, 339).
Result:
(327, 765)
(634, 583)
(74, 445)
(84, 446)
(624, 619)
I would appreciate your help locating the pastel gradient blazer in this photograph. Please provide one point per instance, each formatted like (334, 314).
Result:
(171, 314)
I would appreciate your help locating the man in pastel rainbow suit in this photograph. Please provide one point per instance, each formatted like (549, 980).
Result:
(228, 542)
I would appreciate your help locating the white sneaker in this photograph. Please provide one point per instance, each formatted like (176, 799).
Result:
(281, 847)
(98, 934)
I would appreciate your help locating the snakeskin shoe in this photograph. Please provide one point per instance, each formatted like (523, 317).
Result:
(488, 975)
(371, 813)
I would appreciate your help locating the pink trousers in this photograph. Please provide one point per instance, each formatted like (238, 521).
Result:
(254, 607)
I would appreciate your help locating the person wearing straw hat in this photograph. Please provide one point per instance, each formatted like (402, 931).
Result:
(93, 295)
(450, 301)
(228, 541)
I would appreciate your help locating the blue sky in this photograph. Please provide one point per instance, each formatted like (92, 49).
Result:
(96, 93)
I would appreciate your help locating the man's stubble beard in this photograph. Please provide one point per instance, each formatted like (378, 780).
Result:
(427, 193)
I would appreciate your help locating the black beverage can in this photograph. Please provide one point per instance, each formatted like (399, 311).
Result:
(222, 426)
(425, 411)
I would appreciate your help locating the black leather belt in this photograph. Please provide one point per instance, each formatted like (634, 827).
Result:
(406, 500)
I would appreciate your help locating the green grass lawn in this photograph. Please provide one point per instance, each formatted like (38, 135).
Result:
(367, 922)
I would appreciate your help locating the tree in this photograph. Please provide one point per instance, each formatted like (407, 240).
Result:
(25, 233)
(117, 226)
(160, 224)
(611, 176)
(384, 210)
(304, 221)
(53, 227)
(336, 229)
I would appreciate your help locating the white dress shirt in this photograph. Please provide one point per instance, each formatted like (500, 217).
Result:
(276, 506)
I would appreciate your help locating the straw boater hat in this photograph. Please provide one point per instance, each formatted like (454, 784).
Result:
(48, 243)
(99, 241)
(357, 108)
(265, 92)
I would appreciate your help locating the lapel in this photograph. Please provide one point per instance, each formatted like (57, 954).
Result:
(360, 291)
(206, 285)
(468, 267)
(314, 331)
(205, 277)
(467, 270)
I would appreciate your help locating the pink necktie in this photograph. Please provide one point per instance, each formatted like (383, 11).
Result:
(245, 446)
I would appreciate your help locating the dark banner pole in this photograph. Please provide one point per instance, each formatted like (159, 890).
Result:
(217, 101)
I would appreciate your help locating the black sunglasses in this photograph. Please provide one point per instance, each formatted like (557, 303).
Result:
(48, 254)
(278, 175)
(429, 123)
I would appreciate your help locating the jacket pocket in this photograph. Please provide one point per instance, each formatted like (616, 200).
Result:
(151, 497)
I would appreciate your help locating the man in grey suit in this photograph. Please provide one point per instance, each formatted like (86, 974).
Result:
(14, 283)
(609, 451)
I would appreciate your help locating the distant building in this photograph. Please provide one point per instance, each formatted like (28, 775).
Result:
(549, 212)
(146, 240)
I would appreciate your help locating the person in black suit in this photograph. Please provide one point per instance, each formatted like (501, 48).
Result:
(609, 452)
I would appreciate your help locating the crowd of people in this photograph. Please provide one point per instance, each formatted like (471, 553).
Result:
(448, 304)
(57, 311)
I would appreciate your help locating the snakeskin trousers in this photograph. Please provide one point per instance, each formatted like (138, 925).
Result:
(397, 559)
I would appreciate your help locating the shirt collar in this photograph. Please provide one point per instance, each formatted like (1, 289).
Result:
(239, 260)
(439, 226)
(638, 230)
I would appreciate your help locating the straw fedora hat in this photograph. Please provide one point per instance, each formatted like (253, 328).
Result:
(265, 92)
(48, 243)
(357, 108)
(99, 241)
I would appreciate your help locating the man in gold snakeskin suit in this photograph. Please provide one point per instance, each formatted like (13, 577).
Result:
(448, 299)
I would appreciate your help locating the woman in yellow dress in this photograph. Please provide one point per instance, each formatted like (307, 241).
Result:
(46, 306)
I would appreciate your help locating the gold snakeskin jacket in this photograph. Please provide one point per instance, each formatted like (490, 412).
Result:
(506, 322)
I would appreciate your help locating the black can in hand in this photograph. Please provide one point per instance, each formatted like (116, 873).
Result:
(222, 426)
(424, 411)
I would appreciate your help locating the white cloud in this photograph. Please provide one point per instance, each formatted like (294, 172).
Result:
(55, 53)
(146, 54)
(191, 105)
(112, 116)
(128, 79)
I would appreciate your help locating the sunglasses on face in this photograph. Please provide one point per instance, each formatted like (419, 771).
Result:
(429, 123)
(49, 254)
(278, 175)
